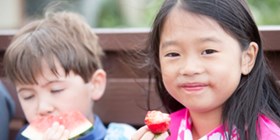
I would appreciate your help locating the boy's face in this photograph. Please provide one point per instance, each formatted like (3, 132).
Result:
(60, 93)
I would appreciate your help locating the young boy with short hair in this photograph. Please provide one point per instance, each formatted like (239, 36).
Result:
(55, 64)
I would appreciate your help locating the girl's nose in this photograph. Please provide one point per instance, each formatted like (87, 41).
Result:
(191, 66)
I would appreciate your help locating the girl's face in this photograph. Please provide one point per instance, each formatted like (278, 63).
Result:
(57, 93)
(200, 62)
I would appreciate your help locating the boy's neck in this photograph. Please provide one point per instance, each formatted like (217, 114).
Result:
(91, 118)
(204, 122)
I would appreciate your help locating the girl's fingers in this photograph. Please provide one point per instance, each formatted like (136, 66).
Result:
(144, 134)
(148, 136)
(162, 136)
(139, 133)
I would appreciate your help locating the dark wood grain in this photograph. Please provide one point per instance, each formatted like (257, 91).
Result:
(125, 99)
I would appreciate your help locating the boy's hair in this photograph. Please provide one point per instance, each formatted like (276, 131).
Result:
(64, 37)
(257, 93)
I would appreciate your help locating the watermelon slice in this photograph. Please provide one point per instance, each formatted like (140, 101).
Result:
(74, 121)
(157, 121)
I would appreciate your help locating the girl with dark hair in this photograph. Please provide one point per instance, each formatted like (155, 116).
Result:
(207, 59)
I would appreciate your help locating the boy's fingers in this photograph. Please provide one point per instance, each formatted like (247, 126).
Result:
(58, 134)
(140, 132)
(65, 135)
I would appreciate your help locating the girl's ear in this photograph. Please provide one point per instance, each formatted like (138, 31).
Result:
(97, 84)
(249, 58)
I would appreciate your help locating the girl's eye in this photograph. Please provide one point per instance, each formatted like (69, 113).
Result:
(172, 55)
(208, 51)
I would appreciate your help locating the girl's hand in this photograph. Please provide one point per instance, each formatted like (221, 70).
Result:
(56, 132)
(145, 134)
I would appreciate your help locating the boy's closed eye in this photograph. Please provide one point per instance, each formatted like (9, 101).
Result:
(26, 95)
(56, 87)
(55, 90)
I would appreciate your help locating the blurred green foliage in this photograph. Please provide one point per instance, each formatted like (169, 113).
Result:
(109, 14)
(266, 12)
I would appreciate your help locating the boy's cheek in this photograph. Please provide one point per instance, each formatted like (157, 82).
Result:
(29, 109)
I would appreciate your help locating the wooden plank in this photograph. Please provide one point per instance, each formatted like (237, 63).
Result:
(129, 39)
(125, 100)
(270, 37)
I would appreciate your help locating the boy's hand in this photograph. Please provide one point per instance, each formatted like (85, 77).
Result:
(145, 134)
(56, 132)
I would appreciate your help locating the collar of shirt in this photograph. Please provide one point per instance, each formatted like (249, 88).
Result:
(97, 133)
(182, 119)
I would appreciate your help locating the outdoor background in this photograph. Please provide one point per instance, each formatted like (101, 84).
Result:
(112, 13)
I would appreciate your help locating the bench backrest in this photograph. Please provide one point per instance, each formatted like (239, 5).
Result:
(125, 99)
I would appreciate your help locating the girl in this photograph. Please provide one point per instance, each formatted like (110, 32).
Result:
(207, 59)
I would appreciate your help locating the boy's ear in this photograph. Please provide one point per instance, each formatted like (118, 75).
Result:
(249, 58)
(98, 84)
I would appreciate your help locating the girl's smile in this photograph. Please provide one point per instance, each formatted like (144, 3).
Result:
(193, 87)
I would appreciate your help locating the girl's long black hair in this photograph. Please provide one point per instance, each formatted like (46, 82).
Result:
(258, 93)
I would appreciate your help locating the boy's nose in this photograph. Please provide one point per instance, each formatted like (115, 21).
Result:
(191, 66)
(45, 108)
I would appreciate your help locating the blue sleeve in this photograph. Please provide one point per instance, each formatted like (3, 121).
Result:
(7, 110)
(119, 131)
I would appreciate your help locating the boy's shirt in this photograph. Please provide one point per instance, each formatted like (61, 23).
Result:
(180, 128)
(115, 131)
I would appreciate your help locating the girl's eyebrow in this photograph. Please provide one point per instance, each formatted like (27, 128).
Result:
(165, 44)
(198, 41)
(208, 39)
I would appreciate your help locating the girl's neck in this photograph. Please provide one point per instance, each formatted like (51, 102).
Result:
(205, 122)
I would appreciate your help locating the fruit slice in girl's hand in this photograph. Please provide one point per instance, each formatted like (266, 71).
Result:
(74, 121)
(157, 121)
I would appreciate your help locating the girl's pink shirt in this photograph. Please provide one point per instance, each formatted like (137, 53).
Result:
(180, 128)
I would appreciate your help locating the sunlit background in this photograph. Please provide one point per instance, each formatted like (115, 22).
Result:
(112, 13)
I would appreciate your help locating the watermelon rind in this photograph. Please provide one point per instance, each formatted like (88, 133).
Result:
(81, 126)
(32, 134)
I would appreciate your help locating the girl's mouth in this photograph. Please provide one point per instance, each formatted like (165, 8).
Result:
(193, 87)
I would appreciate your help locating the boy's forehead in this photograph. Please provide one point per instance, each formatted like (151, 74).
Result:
(49, 73)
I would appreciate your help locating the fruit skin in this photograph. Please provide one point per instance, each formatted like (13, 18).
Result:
(73, 121)
(157, 121)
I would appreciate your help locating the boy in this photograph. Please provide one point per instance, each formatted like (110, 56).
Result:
(55, 64)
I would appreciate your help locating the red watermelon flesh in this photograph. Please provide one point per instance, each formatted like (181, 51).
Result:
(157, 121)
(73, 121)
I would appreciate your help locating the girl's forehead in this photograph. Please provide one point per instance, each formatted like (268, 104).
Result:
(184, 18)
(181, 23)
